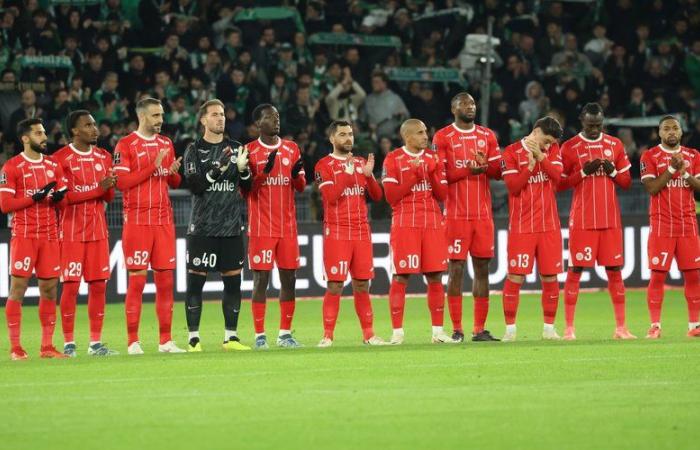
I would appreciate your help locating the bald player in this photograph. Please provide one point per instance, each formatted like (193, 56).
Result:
(414, 183)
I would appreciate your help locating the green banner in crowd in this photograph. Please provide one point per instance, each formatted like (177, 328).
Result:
(466, 11)
(74, 2)
(271, 13)
(47, 62)
(644, 122)
(364, 40)
(424, 74)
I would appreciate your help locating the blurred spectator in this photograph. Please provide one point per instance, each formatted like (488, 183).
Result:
(345, 100)
(384, 111)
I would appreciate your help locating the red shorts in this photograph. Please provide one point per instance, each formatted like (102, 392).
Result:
(89, 260)
(418, 250)
(145, 245)
(343, 257)
(264, 252)
(34, 255)
(470, 236)
(523, 248)
(662, 250)
(586, 247)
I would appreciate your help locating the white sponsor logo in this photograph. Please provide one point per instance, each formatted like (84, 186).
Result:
(402, 264)
(579, 256)
(617, 256)
(105, 268)
(423, 186)
(539, 178)
(655, 260)
(140, 154)
(130, 260)
(18, 265)
(196, 261)
(513, 263)
(334, 270)
(328, 231)
(256, 259)
(278, 180)
(355, 190)
(204, 160)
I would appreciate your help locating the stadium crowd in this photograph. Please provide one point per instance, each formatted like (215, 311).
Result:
(635, 60)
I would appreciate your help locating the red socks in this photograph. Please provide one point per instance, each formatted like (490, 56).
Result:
(550, 300)
(363, 308)
(96, 308)
(287, 314)
(13, 314)
(692, 294)
(454, 304)
(132, 304)
(331, 306)
(47, 317)
(165, 284)
(655, 295)
(258, 309)
(511, 299)
(397, 302)
(616, 288)
(481, 311)
(436, 303)
(69, 297)
(571, 288)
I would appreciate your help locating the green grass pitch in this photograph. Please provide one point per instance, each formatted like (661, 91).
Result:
(593, 393)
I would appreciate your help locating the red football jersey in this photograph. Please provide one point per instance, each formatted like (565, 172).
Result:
(147, 202)
(418, 207)
(468, 196)
(83, 218)
(271, 205)
(672, 210)
(22, 177)
(344, 198)
(594, 205)
(533, 207)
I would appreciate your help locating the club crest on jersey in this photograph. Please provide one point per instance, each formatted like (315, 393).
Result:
(481, 143)
(3, 178)
(98, 167)
(190, 169)
(642, 167)
(117, 157)
(607, 152)
(285, 161)
(49, 173)
(318, 177)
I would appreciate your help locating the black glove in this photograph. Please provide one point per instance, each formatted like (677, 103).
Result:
(270, 162)
(608, 167)
(224, 160)
(297, 167)
(591, 166)
(41, 194)
(57, 196)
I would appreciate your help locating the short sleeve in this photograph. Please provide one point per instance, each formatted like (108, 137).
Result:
(8, 180)
(324, 174)
(509, 164)
(647, 166)
(122, 158)
(390, 173)
(622, 163)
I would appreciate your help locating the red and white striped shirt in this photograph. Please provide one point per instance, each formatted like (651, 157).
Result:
(532, 204)
(672, 210)
(21, 177)
(344, 198)
(83, 218)
(148, 202)
(594, 205)
(271, 205)
(468, 196)
(419, 207)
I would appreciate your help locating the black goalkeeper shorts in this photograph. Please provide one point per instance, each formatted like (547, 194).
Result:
(215, 254)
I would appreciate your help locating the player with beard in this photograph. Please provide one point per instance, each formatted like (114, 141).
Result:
(595, 163)
(84, 244)
(31, 186)
(215, 168)
(344, 181)
(278, 171)
(471, 158)
(670, 174)
(146, 166)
